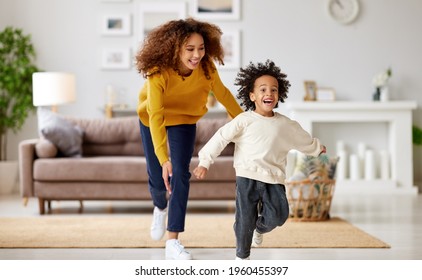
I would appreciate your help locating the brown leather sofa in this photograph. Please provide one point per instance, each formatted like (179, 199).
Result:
(112, 165)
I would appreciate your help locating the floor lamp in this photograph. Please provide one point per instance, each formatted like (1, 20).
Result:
(52, 89)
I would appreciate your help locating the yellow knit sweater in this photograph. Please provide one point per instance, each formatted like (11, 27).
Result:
(166, 99)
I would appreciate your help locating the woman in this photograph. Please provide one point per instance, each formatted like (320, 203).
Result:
(177, 61)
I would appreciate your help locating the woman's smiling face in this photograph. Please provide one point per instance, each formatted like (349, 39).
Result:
(191, 53)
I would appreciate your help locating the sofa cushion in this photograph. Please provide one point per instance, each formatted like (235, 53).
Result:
(108, 137)
(121, 136)
(92, 169)
(64, 135)
(117, 169)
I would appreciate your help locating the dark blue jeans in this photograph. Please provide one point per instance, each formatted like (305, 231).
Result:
(259, 206)
(181, 140)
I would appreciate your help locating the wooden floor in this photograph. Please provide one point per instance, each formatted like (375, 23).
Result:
(395, 219)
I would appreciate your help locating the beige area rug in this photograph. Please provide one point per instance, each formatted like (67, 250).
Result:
(202, 231)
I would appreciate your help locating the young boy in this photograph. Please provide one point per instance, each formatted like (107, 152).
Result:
(262, 140)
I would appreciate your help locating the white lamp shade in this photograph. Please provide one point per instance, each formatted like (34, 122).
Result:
(53, 88)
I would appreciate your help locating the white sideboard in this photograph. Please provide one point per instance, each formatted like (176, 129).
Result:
(398, 116)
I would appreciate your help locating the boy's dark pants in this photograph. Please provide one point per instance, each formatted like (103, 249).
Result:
(253, 196)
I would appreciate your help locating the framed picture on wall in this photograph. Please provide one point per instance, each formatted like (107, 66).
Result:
(154, 14)
(325, 94)
(115, 58)
(216, 9)
(231, 44)
(310, 90)
(116, 25)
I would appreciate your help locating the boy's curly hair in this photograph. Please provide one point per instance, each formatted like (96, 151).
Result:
(162, 46)
(246, 80)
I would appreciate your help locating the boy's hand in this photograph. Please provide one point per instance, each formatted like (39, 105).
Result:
(323, 149)
(200, 172)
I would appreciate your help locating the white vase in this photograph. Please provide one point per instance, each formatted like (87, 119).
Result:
(384, 96)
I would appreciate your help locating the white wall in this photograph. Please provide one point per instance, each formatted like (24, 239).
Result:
(298, 35)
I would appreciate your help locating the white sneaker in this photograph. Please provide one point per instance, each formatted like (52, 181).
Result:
(240, 259)
(158, 226)
(257, 239)
(176, 251)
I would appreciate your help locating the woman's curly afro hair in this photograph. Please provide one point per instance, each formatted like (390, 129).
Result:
(246, 81)
(161, 48)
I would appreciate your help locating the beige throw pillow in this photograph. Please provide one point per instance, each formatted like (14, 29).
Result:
(45, 149)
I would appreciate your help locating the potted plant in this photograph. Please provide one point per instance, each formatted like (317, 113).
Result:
(17, 55)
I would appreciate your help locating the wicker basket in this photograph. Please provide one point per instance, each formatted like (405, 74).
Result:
(310, 200)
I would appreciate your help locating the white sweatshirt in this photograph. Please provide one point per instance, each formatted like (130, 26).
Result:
(261, 145)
